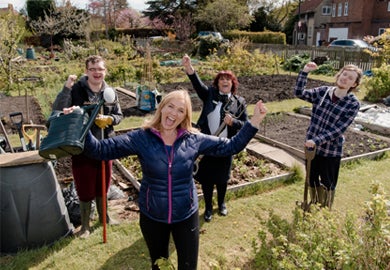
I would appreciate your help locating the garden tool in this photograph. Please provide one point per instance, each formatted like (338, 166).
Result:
(103, 205)
(17, 121)
(108, 98)
(6, 137)
(34, 138)
(221, 127)
(309, 154)
(2, 145)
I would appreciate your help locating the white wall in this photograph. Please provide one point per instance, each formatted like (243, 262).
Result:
(338, 33)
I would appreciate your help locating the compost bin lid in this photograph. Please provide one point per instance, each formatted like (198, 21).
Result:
(20, 158)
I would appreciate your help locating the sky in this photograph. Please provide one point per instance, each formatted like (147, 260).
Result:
(18, 4)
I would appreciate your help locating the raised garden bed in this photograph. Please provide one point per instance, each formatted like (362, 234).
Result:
(286, 129)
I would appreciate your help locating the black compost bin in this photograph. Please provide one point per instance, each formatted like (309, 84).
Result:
(32, 209)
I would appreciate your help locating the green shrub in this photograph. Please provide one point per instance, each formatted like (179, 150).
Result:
(378, 86)
(208, 45)
(257, 37)
(325, 69)
(318, 240)
(296, 62)
(243, 62)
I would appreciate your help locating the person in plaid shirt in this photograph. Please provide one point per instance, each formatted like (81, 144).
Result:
(333, 111)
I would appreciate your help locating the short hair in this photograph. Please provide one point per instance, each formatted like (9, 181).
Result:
(155, 121)
(230, 75)
(93, 59)
(354, 68)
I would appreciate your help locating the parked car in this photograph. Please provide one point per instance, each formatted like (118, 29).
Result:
(216, 35)
(352, 43)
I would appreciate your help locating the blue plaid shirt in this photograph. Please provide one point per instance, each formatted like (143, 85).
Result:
(329, 120)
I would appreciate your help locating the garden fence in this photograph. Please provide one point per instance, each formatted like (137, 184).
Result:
(338, 57)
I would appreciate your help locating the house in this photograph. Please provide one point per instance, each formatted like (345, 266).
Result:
(321, 21)
(7, 9)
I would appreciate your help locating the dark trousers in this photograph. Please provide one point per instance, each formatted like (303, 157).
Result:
(208, 188)
(324, 171)
(185, 236)
(87, 174)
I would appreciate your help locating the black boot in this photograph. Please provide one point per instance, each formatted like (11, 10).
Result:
(99, 206)
(208, 201)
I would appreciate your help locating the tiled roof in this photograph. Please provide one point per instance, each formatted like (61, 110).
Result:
(309, 5)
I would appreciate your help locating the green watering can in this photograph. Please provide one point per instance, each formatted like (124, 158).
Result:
(65, 137)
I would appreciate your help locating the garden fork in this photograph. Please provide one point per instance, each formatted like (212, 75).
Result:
(309, 155)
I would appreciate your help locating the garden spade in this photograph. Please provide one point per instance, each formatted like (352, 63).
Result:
(17, 121)
(309, 154)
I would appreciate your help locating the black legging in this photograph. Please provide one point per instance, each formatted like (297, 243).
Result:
(185, 236)
(208, 188)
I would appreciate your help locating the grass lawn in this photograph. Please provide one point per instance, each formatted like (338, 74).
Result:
(224, 242)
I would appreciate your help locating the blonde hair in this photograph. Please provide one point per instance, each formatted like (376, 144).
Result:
(186, 124)
(358, 71)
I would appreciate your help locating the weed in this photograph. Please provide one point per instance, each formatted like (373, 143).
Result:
(317, 240)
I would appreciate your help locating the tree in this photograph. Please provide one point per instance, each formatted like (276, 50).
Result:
(221, 16)
(66, 21)
(166, 10)
(271, 15)
(183, 26)
(11, 32)
(128, 18)
(50, 25)
(37, 8)
(107, 11)
(76, 20)
(289, 25)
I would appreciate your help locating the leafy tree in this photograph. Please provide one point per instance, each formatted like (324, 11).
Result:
(49, 25)
(222, 16)
(11, 32)
(66, 21)
(166, 10)
(37, 8)
(76, 20)
(289, 25)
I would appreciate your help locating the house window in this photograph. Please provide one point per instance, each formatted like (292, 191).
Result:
(326, 10)
(340, 10)
(346, 9)
(334, 10)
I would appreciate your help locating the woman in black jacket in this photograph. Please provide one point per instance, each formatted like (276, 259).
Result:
(223, 114)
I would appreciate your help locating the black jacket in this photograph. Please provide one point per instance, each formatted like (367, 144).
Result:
(209, 96)
(81, 95)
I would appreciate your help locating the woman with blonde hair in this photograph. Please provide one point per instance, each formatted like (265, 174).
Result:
(167, 147)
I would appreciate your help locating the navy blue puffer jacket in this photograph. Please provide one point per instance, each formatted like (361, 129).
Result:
(168, 192)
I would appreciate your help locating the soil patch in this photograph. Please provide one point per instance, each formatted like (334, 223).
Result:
(291, 130)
